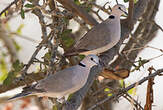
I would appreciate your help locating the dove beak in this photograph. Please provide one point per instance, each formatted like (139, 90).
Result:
(124, 12)
(96, 62)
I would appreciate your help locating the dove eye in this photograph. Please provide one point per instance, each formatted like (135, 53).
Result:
(92, 59)
(119, 8)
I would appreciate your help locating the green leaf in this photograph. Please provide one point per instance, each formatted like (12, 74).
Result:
(66, 21)
(132, 91)
(89, 7)
(19, 29)
(135, 1)
(3, 15)
(77, 2)
(110, 94)
(3, 69)
(66, 39)
(9, 79)
(22, 13)
(55, 107)
(106, 89)
(69, 97)
(16, 45)
(122, 83)
(17, 66)
(125, 1)
(47, 55)
(29, 5)
(141, 62)
(3, 66)
(81, 56)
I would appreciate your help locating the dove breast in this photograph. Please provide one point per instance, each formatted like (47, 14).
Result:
(64, 82)
(100, 38)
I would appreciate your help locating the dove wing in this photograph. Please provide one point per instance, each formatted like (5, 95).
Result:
(100, 33)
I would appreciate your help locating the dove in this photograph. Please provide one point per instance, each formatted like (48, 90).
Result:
(62, 83)
(102, 37)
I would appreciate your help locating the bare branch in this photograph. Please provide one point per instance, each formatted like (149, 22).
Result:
(12, 3)
(130, 15)
(17, 82)
(122, 91)
(157, 25)
(106, 56)
(8, 41)
(70, 5)
(149, 94)
(132, 100)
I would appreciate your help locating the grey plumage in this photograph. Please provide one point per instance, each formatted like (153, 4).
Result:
(64, 82)
(101, 37)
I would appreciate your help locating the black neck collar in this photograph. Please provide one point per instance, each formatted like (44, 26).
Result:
(111, 16)
(81, 64)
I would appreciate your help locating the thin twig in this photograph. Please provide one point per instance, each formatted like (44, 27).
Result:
(24, 37)
(120, 93)
(131, 99)
(157, 25)
(130, 15)
(70, 5)
(17, 82)
(12, 3)
(34, 55)
(101, 7)
(133, 49)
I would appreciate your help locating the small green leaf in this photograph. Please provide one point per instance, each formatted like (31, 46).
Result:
(66, 21)
(55, 107)
(22, 13)
(125, 1)
(110, 94)
(140, 63)
(17, 66)
(81, 56)
(89, 7)
(66, 39)
(16, 45)
(3, 66)
(47, 55)
(77, 2)
(29, 5)
(122, 83)
(69, 97)
(3, 69)
(106, 89)
(132, 91)
(135, 1)
(3, 15)
(19, 29)
(9, 79)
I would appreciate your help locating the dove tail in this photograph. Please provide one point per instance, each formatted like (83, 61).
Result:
(20, 95)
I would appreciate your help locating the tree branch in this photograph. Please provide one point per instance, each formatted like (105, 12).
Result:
(122, 91)
(76, 99)
(70, 5)
(144, 33)
(8, 41)
(12, 3)
(17, 83)
(106, 57)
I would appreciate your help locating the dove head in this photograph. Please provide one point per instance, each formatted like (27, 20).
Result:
(119, 10)
(90, 61)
